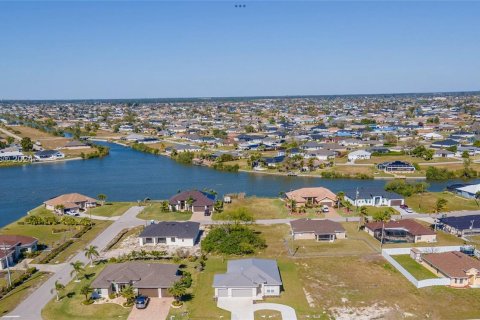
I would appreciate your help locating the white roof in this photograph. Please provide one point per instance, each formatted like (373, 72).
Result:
(359, 152)
(11, 154)
(474, 188)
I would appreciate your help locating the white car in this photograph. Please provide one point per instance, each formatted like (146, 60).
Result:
(408, 210)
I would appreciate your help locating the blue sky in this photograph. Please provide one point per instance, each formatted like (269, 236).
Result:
(66, 50)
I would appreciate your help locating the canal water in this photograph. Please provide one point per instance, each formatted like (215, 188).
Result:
(129, 175)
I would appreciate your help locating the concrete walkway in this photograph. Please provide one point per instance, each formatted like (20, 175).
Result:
(31, 307)
(244, 308)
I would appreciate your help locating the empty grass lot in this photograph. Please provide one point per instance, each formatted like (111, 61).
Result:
(9, 302)
(261, 208)
(415, 268)
(111, 209)
(425, 203)
(153, 211)
(70, 306)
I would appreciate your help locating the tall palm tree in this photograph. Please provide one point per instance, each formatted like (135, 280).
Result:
(91, 252)
(362, 216)
(58, 288)
(440, 205)
(340, 198)
(77, 268)
(85, 290)
(102, 197)
(59, 208)
(178, 290)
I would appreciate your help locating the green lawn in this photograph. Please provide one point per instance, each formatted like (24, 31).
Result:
(17, 295)
(153, 211)
(72, 308)
(425, 203)
(261, 208)
(112, 209)
(415, 268)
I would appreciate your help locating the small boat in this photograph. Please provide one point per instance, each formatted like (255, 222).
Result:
(291, 174)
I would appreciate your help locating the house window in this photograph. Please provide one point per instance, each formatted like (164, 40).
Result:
(172, 239)
(148, 240)
(270, 290)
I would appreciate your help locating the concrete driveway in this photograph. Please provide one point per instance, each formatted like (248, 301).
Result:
(244, 308)
(157, 309)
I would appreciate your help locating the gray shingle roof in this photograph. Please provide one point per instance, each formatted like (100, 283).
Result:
(143, 275)
(185, 230)
(249, 273)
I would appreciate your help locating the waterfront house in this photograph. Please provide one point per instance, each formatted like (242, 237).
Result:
(147, 279)
(312, 196)
(396, 167)
(462, 270)
(48, 155)
(319, 230)
(74, 145)
(359, 155)
(407, 230)
(13, 246)
(445, 143)
(192, 200)
(171, 233)
(16, 156)
(373, 197)
(248, 278)
(70, 203)
(468, 191)
(461, 225)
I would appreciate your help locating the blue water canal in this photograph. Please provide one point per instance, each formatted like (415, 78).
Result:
(129, 175)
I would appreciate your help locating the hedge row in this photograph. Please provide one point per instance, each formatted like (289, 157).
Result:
(55, 252)
(17, 282)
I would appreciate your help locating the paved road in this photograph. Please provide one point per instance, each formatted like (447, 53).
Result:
(30, 308)
(8, 133)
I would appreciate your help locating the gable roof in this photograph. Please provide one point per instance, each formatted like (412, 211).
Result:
(200, 198)
(185, 230)
(453, 263)
(316, 226)
(143, 275)
(368, 193)
(410, 225)
(249, 273)
(12, 240)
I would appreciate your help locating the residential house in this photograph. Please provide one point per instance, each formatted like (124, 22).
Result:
(461, 225)
(12, 247)
(373, 197)
(192, 200)
(171, 233)
(48, 155)
(468, 191)
(396, 167)
(312, 196)
(147, 279)
(441, 153)
(319, 230)
(445, 143)
(248, 278)
(14, 156)
(407, 230)
(74, 145)
(462, 270)
(70, 203)
(359, 155)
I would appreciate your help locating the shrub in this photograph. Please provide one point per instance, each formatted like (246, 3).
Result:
(232, 239)
(55, 252)
(405, 188)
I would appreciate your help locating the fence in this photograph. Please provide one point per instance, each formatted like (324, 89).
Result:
(388, 253)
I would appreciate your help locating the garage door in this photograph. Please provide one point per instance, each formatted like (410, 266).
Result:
(165, 292)
(395, 202)
(241, 293)
(148, 292)
(223, 293)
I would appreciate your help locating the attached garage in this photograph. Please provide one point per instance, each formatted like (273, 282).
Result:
(222, 293)
(148, 292)
(398, 202)
(165, 292)
(242, 293)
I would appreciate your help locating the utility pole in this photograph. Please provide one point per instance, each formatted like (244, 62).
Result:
(8, 265)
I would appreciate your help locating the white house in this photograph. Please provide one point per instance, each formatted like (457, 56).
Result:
(373, 197)
(248, 278)
(359, 155)
(171, 233)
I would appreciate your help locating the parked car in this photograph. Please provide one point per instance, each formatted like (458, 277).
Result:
(141, 302)
(325, 209)
(408, 210)
(403, 206)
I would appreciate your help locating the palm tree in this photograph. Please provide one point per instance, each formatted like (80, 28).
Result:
(293, 205)
(102, 197)
(340, 198)
(91, 252)
(178, 290)
(85, 290)
(384, 217)
(190, 201)
(440, 205)
(58, 288)
(128, 293)
(477, 196)
(77, 268)
(362, 216)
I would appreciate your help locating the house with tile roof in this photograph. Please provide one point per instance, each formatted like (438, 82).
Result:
(192, 200)
(407, 230)
(70, 203)
(312, 196)
(319, 230)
